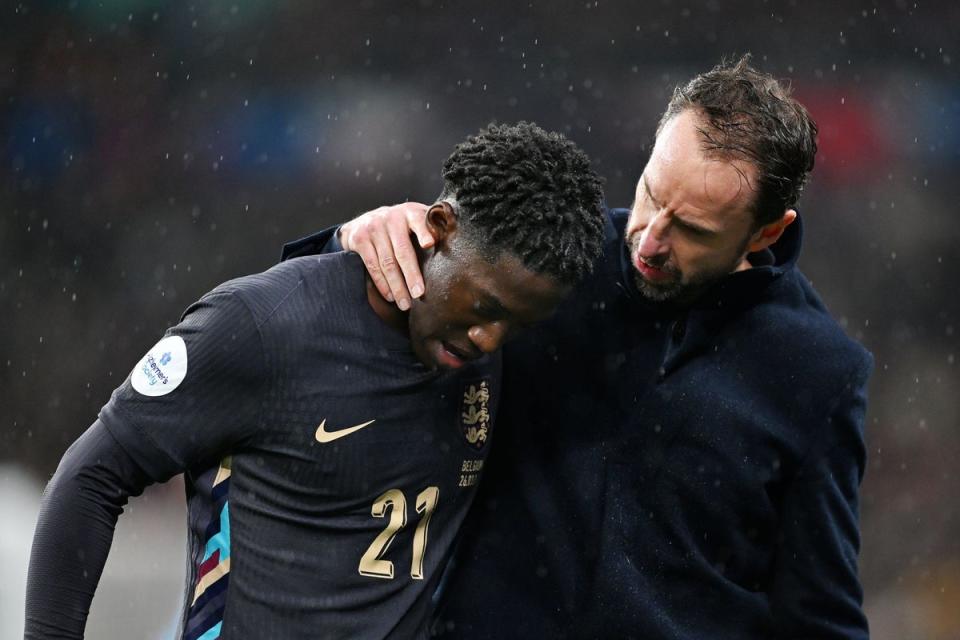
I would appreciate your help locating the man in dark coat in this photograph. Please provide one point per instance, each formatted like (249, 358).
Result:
(682, 445)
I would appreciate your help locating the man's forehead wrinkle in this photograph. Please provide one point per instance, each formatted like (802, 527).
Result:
(646, 187)
(653, 185)
(692, 200)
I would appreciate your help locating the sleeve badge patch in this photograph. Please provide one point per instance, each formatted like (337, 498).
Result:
(162, 369)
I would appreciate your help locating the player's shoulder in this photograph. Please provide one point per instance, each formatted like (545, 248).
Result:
(289, 285)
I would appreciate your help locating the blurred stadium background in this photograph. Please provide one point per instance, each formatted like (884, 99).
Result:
(151, 150)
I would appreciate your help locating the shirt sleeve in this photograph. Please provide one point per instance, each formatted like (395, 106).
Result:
(816, 591)
(74, 532)
(196, 395)
(192, 399)
(326, 241)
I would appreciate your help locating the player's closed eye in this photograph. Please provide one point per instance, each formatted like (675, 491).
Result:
(488, 310)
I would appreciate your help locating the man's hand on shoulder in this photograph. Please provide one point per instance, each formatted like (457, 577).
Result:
(382, 238)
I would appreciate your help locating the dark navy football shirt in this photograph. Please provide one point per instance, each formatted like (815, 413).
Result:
(327, 469)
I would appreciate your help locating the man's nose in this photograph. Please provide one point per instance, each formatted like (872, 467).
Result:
(488, 337)
(653, 239)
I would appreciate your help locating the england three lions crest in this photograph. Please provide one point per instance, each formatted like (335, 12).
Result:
(475, 412)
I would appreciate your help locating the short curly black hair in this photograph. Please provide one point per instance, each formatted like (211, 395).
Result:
(531, 193)
(752, 116)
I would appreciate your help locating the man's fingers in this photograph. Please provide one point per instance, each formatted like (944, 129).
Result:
(371, 261)
(417, 221)
(382, 238)
(391, 271)
(406, 256)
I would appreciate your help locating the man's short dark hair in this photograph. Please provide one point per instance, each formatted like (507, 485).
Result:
(750, 115)
(531, 193)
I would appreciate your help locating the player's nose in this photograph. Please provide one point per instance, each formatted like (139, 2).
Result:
(488, 337)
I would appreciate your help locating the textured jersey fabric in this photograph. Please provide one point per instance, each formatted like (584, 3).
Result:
(327, 470)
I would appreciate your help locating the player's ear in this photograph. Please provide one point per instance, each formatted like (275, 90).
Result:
(442, 222)
(770, 233)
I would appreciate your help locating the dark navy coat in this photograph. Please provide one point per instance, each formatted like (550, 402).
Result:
(665, 474)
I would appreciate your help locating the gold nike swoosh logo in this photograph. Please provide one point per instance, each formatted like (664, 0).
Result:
(324, 436)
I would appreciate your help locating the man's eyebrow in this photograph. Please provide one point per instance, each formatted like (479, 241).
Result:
(694, 226)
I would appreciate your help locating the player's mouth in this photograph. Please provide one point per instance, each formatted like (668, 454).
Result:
(452, 357)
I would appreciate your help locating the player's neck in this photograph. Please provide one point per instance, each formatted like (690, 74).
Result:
(386, 311)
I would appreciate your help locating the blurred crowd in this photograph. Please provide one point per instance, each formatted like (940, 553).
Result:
(151, 150)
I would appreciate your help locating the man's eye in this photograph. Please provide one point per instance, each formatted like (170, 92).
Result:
(696, 231)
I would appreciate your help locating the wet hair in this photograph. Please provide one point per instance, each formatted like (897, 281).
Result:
(750, 115)
(522, 190)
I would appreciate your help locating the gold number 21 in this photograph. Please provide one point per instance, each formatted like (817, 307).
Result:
(371, 563)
